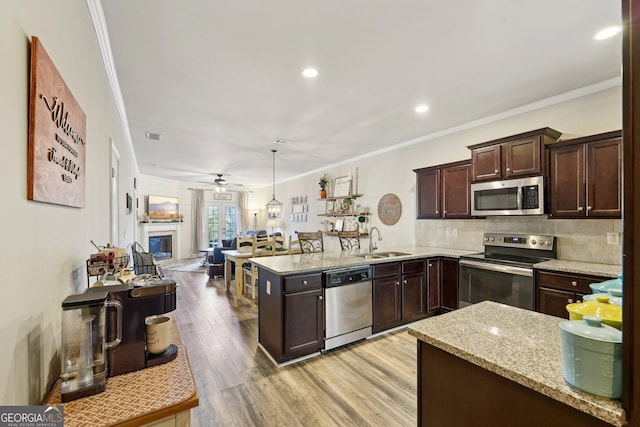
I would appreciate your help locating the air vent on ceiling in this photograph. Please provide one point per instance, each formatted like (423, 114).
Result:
(154, 136)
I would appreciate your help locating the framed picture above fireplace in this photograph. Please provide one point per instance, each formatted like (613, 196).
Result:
(163, 208)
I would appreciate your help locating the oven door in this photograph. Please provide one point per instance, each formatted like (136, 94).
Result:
(506, 284)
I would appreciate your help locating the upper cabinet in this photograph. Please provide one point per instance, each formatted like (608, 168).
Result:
(513, 156)
(586, 177)
(444, 191)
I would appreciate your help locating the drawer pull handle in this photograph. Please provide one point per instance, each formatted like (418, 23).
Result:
(569, 300)
(304, 282)
(574, 283)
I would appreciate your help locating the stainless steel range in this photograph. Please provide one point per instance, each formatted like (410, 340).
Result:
(504, 271)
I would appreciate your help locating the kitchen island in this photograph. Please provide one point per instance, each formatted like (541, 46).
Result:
(494, 365)
(408, 284)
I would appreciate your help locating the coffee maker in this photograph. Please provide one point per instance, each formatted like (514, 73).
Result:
(139, 300)
(84, 345)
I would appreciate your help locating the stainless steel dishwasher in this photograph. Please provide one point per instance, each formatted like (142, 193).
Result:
(347, 305)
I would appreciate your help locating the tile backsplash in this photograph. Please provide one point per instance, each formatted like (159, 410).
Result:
(577, 240)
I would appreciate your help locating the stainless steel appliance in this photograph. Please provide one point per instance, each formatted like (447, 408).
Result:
(504, 271)
(348, 305)
(524, 196)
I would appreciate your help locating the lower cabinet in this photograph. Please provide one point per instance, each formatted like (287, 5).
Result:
(290, 314)
(399, 293)
(448, 284)
(554, 290)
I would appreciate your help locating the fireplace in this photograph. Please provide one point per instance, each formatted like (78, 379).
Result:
(161, 246)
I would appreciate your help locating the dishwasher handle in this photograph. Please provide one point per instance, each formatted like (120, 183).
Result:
(508, 269)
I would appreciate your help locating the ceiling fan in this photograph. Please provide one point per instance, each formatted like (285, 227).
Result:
(221, 183)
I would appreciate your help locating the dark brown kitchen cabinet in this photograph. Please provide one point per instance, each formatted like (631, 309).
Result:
(586, 177)
(290, 314)
(443, 191)
(399, 293)
(433, 285)
(554, 290)
(513, 156)
(448, 284)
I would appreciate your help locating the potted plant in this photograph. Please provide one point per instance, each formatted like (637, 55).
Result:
(323, 184)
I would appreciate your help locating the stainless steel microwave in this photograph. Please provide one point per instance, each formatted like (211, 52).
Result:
(524, 196)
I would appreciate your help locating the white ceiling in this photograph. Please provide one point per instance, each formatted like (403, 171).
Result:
(221, 80)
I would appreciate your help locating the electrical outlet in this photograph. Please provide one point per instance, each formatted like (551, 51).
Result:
(613, 238)
(447, 231)
(268, 287)
(454, 232)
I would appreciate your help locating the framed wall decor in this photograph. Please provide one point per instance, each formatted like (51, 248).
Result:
(329, 207)
(222, 196)
(56, 158)
(339, 224)
(342, 187)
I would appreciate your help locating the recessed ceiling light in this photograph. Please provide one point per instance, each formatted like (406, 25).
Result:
(607, 33)
(310, 73)
(422, 108)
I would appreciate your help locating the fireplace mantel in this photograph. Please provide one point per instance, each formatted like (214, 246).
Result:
(156, 228)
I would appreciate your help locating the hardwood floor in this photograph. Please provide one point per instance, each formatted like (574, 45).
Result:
(371, 383)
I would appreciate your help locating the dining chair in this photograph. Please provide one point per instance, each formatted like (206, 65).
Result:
(310, 241)
(349, 240)
(260, 247)
(294, 246)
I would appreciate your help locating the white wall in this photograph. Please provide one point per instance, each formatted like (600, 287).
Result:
(44, 247)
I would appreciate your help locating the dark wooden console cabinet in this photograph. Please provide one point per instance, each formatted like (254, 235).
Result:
(513, 156)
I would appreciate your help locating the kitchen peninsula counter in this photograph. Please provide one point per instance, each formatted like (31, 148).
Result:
(320, 261)
(490, 364)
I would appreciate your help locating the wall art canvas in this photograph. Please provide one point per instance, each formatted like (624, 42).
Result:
(57, 136)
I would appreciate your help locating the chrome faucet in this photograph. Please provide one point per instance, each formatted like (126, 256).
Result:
(372, 245)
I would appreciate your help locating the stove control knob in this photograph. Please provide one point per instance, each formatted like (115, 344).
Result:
(492, 239)
(486, 239)
(533, 241)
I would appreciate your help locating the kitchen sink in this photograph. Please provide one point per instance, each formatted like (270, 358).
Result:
(375, 255)
(392, 254)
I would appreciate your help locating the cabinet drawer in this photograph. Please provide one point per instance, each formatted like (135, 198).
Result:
(386, 269)
(413, 266)
(302, 282)
(569, 282)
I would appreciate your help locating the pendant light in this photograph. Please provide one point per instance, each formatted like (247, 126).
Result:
(274, 207)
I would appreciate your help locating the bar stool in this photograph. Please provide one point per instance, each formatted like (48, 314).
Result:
(310, 241)
(349, 241)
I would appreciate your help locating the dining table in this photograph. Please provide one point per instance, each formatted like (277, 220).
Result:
(234, 256)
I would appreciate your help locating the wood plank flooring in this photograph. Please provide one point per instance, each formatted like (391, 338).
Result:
(371, 383)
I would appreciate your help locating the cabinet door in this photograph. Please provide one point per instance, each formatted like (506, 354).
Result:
(456, 192)
(522, 158)
(386, 303)
(486, 163)
(554, 301)
(433, 285)
(428, 194)
(604, 179)
(449, 280)
(567, 182)
(303, 321)
(414, 296)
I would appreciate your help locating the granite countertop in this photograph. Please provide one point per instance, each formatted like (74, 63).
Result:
(521, 345)
(579, 267)
(320, 261)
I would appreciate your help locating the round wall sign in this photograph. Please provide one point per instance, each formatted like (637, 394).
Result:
(389, 209)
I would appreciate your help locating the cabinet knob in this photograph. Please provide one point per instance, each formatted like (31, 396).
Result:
(404, 281)
(430, 265)
(495, 171)
(570, 301)
(508, 169)
(580, 208)
(437, 211)
(397, 283)
(320, 298)
(589, 208)
(304, 282)
(574, 283)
